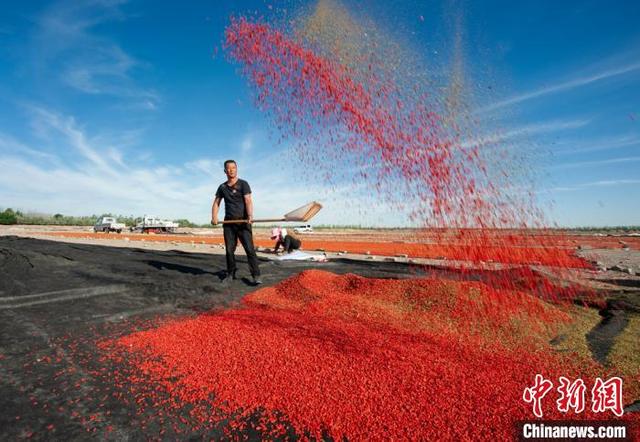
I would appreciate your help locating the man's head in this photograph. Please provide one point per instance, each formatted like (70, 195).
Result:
(231, 169)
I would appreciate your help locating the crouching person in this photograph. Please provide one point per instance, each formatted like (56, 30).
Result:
(285, 239)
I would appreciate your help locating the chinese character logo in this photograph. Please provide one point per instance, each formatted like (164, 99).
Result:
(571, 395)
(607, 396)
(535, 394)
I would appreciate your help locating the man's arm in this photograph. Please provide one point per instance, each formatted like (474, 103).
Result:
(248, 201)
(214, 210)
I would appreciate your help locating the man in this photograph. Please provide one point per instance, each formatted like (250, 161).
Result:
(238, 205)
(285, 239)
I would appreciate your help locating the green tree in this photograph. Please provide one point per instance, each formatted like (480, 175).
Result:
(184, 223)
(8, 217)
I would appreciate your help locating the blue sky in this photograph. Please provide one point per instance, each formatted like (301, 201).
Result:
(131, 106)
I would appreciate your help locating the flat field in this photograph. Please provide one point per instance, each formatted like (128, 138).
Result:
(398, 335)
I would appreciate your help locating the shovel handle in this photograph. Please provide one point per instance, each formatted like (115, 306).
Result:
(241, 221)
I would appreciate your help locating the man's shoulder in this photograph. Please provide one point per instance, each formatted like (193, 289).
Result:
(244, 184)
(220, 191)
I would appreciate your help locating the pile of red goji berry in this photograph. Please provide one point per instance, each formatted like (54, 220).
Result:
(347, 356)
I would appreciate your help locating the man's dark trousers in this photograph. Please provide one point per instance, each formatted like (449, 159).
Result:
(291, 244)
(242, 232)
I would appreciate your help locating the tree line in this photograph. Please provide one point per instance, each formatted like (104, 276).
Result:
(10, 216)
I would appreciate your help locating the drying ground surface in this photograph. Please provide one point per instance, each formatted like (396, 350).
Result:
(547, 248)
(137, 343)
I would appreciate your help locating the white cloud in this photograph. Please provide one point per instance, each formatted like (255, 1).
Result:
(68, 47)
(601, 183)
(279, 185)
(74, 136)
(566, 85)
(97, 180)
(596, 162)
(8, 144)
(601, 144)
(207, 166)
(527, 130)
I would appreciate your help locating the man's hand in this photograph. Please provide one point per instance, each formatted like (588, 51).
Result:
(214, 221)
(248, 201)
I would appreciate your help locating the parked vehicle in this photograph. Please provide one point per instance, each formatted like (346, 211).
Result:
(108, 224)
(303, 229)
(152, 224)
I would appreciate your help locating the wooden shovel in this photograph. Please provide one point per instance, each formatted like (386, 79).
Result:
(301, 214)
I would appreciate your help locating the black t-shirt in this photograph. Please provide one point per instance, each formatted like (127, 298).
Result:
(233, 196)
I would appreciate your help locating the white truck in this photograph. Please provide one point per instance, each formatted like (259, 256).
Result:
(152, 224)
(108, 224)
(303, 229)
